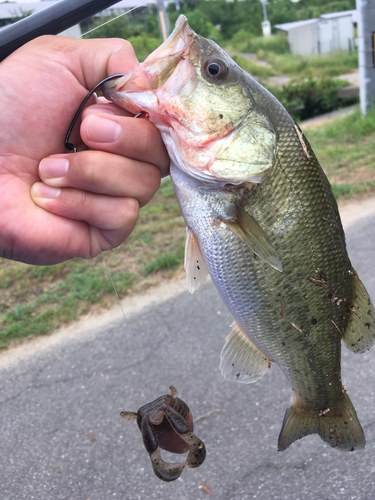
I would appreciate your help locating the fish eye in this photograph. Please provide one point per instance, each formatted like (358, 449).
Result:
(215, 69)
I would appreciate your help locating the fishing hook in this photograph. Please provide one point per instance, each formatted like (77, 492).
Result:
(69, 146)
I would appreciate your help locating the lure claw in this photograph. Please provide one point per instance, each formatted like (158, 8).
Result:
(167, 424)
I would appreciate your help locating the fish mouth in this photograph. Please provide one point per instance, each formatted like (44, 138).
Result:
(177, 44)
(160, 65)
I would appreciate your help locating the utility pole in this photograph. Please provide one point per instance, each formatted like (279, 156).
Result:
(163, 20)
(366, 53)
(266, 25)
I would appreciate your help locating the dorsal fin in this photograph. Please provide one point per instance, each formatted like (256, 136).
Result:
(359, 335)
(241, 360)
(195, 265)
(250, 232)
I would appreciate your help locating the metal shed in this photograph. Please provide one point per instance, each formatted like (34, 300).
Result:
(303, 36)
(326, 34)
(336, 32)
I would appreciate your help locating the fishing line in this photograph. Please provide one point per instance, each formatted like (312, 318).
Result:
(72, 148)
(114, 18)
(113, 284)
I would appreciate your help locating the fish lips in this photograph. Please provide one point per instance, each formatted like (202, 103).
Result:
(157, 68)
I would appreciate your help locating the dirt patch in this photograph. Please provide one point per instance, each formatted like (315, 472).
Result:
(359, 176)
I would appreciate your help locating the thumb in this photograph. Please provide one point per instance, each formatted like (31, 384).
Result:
(100, 58)
(90, 61)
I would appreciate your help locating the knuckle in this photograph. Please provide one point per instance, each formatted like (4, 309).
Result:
(152, 141)
(84, 201)
(124, 46)
(92, 170)
(127, 46)
(151, 183)
(131, 212)
(151, 136)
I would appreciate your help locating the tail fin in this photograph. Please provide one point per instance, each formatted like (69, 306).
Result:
(337, 426)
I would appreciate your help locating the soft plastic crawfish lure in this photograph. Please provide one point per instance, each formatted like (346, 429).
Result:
(167, 423)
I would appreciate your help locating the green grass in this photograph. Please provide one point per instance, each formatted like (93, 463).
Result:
(254, 69)
(350, 128)
(348, 190)
(243, 41)
(170, 260)
(345, 149)
(62, 303)
(316, 66)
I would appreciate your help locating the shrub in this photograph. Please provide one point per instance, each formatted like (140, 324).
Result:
(312, 97)
(144, 45)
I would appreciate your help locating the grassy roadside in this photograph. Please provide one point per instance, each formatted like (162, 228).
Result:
(317, 66)
(345, 149)
(36, 300)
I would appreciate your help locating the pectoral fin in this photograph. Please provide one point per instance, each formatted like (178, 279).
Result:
(247, 228)
(359, 335)
(195, 265)
(241, 360)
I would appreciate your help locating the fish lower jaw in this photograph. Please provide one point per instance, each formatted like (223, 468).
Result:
(208, 178)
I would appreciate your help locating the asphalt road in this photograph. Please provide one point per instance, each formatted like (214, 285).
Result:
(62, 436)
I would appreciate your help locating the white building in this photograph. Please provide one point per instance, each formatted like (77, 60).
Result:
(337, 31)
(326, 34)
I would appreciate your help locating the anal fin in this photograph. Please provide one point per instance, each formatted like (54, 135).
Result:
(359, 335)
(338, 426)
(195, 265)
(241, 360)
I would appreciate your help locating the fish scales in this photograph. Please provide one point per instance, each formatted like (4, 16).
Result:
(294, 225)
(262, 219)
(247, 284)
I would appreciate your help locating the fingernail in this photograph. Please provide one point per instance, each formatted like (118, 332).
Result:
(54, 167)
(102, 130)
(43, 191)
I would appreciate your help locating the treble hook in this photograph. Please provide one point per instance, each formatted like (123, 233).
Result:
(69, 146)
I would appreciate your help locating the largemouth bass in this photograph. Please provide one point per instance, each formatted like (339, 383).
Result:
(262, 221)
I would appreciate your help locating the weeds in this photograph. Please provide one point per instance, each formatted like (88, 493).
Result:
(345, 149)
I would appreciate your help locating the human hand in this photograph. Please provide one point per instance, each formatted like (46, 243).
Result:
(56, 205)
